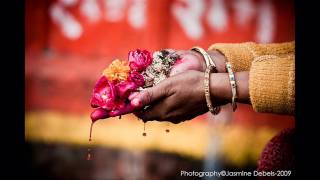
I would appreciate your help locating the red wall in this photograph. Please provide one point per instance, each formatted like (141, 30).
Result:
(161, 29)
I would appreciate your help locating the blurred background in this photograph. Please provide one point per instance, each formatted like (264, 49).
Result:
(69, 42)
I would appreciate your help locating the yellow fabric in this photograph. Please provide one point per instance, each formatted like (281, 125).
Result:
(272, 73)
(271, 84)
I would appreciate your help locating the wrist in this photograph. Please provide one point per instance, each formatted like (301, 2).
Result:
(219, 59)
(220, 89)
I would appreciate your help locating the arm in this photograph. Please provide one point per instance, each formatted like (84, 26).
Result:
(271, 67)
(272, 84)
(241, 55)
(181, 97)
(220, 88)
(269, 86)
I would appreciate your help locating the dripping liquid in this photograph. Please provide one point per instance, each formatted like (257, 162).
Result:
(90, 131)
(167, 130)
(89, 157)
(144, 129)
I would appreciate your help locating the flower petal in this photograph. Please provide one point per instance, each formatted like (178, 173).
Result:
(99, 113)
(124, 89)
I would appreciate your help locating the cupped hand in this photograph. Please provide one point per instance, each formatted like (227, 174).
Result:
(191, 60)
(178, 98)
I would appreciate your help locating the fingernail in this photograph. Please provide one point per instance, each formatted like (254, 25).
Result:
(136, 102)
(134, 94)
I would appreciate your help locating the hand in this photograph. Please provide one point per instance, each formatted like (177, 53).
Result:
(181, 97)
(176, 99)
(191, 60)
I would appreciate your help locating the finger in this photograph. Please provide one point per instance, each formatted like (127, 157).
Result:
(126, 110)
(165, 110)
(148, 115)
(150, 95)
(139, 114)
(155, 112)
(132, 95)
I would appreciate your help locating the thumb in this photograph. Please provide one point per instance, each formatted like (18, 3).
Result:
(149, 95)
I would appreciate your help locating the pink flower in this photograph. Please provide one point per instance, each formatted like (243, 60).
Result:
(136, 78)
(110, 95)
(139, 60)
(104, 94)
(99, 113)
(111, 99)
(124, 88)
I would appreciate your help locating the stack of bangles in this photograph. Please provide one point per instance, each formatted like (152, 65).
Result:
(211, 67)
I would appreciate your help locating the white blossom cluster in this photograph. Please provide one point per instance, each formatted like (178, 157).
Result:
(160, 68)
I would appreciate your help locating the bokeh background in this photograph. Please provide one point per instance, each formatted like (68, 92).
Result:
(69, 42)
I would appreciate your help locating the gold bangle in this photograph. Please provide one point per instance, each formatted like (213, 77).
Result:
(210, 67)
(233, 86)
(213, 110)
(206, 56)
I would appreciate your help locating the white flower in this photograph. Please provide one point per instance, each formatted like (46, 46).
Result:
(159, 69)
(156, 55)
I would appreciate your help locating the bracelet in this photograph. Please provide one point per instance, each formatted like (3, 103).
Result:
(206, 56)
(233, 86)
(213, 110)
(210, 67)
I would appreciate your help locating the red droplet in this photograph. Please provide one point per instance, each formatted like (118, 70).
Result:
(90, 131)
(89, 155)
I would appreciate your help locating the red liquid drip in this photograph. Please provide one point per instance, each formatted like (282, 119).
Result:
(144, 129)
(90, 131)
(168, 130)
(89, 154)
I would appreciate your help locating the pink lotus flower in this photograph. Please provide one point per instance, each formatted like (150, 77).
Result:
(124, 88)
(139, 60)
(99, 113)
(136, 78)
(111, 99)
(104, 94)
